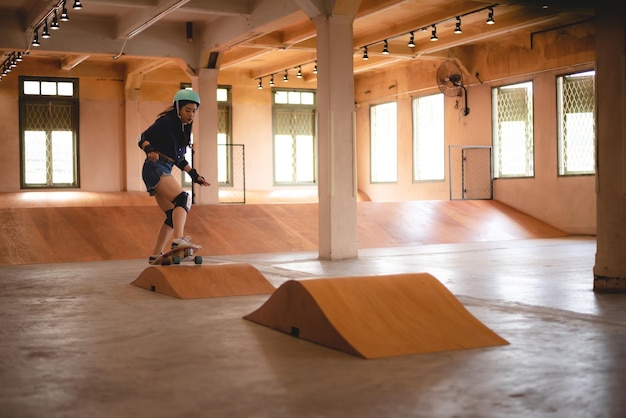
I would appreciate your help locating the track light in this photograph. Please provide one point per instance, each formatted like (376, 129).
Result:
(433, 36)
(457, 28)
(53, 15)
(490, 20)
(55, 23)
(19, 58)
(45, 34)
(286, 77)
(299, 72)
(272, 80)
(64, 15)
(386, 47)
(365, 56)
(36, 38)
(315, 68)
(412, 41)
(260, 86)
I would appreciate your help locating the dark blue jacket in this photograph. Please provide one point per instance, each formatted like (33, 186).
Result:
(168, 136)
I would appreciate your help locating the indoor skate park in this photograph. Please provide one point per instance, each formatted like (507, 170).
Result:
(345, 298)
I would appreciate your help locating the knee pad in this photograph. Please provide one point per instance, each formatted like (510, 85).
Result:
(183, 201)
(168, 218)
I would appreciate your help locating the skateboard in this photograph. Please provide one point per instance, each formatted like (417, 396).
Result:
(178, 255)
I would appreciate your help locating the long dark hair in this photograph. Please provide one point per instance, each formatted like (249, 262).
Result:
(181, 103)
(166, 111)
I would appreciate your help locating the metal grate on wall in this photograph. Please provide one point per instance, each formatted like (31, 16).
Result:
(233, 190)
(471, 175)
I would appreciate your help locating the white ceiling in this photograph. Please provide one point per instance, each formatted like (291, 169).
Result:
(262, 37)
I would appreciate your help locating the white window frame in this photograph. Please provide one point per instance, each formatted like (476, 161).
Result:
(384, 143)
(294, 151)
(49, 154)
(428, 138)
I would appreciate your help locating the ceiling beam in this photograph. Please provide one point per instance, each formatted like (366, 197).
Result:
(240, 55)
(132, 24)
(290, 63)
(70, 62)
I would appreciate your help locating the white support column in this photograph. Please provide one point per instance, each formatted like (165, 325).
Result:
(336, 142)
(610, 264)
(205, 136)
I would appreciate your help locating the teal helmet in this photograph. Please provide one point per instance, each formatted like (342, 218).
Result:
(186, 95)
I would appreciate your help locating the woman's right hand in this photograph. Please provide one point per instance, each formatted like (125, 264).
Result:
(151, 153)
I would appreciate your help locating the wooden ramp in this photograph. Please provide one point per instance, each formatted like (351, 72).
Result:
(375, 316)
(204, 281)
(102, 226)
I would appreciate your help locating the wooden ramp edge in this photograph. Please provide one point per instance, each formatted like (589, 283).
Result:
(204, 281)
(375, 316)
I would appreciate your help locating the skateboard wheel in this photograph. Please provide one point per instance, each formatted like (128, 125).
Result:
(197, 259)
(176, 259)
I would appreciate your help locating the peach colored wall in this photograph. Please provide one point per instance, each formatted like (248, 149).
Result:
(101, 133)
(251, 126)
(9, 135)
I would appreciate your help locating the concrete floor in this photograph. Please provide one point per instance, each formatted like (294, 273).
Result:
(77, 340)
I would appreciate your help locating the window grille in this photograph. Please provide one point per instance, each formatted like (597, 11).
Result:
(576, 123)
(294, 123)
(513, 130)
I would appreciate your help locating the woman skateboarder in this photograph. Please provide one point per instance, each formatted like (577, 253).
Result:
(165, 144)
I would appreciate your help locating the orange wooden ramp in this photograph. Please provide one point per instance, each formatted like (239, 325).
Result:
(204, 281)
(375, 316)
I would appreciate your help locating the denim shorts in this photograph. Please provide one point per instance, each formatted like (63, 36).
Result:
(152, 172)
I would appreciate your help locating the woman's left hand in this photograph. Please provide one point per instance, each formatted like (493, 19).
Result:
(197, 178)
(202, 181)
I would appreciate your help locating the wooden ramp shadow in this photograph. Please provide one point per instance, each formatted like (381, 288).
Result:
(375, 316)
(204, 281)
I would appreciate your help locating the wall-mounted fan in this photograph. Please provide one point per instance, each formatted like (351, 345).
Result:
(450, 82)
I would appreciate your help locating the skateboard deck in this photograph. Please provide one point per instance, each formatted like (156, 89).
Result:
(177, 256)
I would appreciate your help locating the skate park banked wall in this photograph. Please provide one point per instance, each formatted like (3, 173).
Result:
(124, 226)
